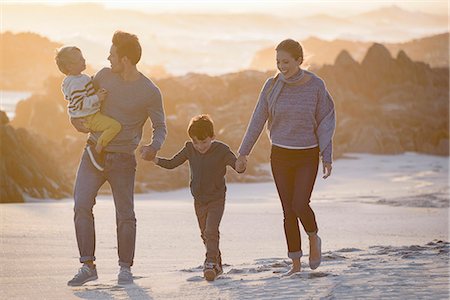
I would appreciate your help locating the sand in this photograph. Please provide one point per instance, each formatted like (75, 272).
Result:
(371, 248)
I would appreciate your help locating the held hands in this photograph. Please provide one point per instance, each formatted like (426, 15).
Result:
(101, 94)
(241, 163)
(148, 153)
(326, 169)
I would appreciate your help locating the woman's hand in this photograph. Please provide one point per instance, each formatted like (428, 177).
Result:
(326, 169)
(241, 163)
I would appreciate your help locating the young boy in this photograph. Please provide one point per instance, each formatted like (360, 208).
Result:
(208, 160)
(84, 102)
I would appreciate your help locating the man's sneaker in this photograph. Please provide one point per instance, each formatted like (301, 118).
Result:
(97, 159)
(125, 276)
(211, 271)
(85, 274)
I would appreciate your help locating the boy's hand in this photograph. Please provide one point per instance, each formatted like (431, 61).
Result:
(101, 94)
(147, 153)
(78, 123)
(241, 163)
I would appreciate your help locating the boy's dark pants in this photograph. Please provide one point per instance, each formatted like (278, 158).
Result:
(209, 215)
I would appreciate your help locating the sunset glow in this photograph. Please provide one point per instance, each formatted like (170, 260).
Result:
(311, 138)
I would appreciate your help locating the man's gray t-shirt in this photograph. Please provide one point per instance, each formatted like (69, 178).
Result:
(131, 103)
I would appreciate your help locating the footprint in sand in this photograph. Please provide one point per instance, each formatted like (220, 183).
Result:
(308, 275)
(195, 278)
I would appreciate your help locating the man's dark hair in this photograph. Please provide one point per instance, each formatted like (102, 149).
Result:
(127, 44)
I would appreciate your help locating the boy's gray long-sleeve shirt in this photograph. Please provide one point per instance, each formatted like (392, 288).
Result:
(207, 170)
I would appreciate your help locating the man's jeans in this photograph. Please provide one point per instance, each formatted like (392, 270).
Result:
(120, 169)
(209, 216)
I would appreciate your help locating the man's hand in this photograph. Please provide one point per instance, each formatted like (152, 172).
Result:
(78, 123)
(147, 153)
(326, 169)
(241, 163)
(101, 94)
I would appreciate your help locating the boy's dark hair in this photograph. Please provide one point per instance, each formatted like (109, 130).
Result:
(201, 127)
(292, 47)
(128, 45)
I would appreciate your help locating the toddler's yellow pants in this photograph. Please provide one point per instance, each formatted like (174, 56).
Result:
(99, 122)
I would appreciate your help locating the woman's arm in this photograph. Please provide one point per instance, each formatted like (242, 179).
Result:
(257, 121)
(231, 160)
(325, 118)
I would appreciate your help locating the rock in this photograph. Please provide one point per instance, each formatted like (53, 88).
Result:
(344, 59)
(403, 59)
(28, 169)
(384, 105)
(19, 64)
(377, 56)
(432, 50)
(3, 118)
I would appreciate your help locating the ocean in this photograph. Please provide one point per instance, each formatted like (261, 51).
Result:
(9, 100)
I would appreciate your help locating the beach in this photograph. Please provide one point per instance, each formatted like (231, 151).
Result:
(383, 220)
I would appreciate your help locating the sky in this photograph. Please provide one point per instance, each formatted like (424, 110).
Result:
(281, 7)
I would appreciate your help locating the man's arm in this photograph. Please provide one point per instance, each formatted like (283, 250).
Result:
(158, 118)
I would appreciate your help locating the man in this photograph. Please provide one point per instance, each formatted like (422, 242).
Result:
(132, 98)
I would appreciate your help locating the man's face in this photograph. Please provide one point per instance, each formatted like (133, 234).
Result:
(116, 62)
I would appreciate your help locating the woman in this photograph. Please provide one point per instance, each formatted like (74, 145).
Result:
(301, 122)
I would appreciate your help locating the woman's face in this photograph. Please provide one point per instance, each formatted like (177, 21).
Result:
(286, 64)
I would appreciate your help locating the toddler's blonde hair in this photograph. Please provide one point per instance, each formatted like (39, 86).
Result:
(64, 57)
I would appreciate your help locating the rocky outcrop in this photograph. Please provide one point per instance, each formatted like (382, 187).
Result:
(344, 59)
(27, 168)
(384, 105)
(389, 105)
(19, 64)
(431, 50)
